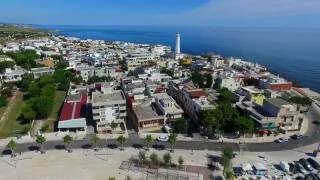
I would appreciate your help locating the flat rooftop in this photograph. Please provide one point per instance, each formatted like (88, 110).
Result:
(146, 112)
(277, 101)
(98, 97)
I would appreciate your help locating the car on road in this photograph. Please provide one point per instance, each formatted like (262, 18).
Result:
(163, 138)
(281, 140)
(306, 164)
(297, 136)
(314, 163)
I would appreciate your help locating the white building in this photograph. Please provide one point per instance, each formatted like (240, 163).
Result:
(108, 105)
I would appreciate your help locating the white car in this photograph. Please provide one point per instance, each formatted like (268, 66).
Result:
(163, 138)
(282, 140)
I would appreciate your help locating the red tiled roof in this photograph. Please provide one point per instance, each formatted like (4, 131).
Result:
(73, 110)
(197, 94)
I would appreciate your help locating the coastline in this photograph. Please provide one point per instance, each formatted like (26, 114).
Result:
(277, 62)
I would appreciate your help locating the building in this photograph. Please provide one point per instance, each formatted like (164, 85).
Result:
(168, 106)
(249, 93)
(178, 54)
(146, 117)
(42, 71)
(73, 113)
(191, 99)
(12, 75)
(230, 83)
(108, 105)
(275, 83)
(274, 114)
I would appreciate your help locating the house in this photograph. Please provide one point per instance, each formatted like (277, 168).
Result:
(42, 71)
(73, 113)
(108, 105)
(191, 99)
(249, 93)
(274, 114)
(146, 117)
(275, 83)
(168, 106)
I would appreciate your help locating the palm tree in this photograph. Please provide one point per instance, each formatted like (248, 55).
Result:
(121, 139)
(227, 155)
(67, 139)
(148, 140)
(154, 159)
(229, 175)
(167, 159)
(113, 125)
(40, 140)
(172, 141)
(180, 161)
(94, 140)
(12, 145)
(142, 156)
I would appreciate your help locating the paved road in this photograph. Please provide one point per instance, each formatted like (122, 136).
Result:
(312, 136)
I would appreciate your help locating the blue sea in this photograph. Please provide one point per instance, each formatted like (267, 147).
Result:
(292, 53)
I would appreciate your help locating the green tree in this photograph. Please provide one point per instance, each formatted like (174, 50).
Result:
(180, 126)
(197, 79)
(27, 113)
(180, 161)
(225, 95)
(209, 80)
(48, 91)
(112, 178)
(148, 141)
(67, 140)
(167, 159)
(44, 128)
(40, 140)
(42, 106)
(3, 101)
(113, 125)
(34, 89)
(227, 155)
(244, 124)
(12, 145)
(94, 140)
(142, 157)
(6, 64)
(154, 159)
(25, 82)
(172, 140)
(121, 139)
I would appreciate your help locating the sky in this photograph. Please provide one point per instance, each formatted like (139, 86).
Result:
(254, 13)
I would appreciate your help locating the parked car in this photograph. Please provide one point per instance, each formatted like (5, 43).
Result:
(301, 169)
(306, 164)
(314, 163)
(285, 166)
(163, 138)
(281, 140)
(311, 177)
(293, 168)
(297, 136)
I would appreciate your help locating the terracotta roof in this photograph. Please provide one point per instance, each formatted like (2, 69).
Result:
(74, 109)
(197, 94)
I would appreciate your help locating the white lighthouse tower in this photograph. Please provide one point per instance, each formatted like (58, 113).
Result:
(177, 43)
(177, 50)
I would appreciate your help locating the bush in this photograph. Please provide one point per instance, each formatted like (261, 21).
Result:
(3, 101)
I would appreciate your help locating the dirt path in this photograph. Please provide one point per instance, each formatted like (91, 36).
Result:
(9, 107)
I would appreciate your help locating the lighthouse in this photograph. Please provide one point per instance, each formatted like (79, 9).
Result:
(177, 43)
(177, 50)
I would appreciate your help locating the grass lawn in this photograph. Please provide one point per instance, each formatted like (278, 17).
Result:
(54, 115)
(9, 126)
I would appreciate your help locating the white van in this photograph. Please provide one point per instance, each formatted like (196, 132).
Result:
(285, 166)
